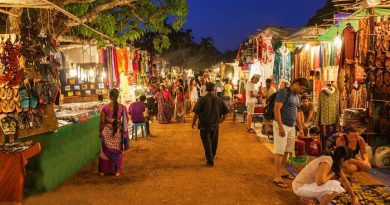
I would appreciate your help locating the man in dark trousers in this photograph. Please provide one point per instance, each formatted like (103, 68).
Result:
(211, 111)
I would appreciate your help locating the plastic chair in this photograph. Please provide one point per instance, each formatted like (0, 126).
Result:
(239, 108)
(134, 131)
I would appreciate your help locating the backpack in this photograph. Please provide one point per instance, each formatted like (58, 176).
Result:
(269, 108)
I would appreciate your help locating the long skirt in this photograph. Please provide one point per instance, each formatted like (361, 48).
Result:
(165, 111)
(111, 156)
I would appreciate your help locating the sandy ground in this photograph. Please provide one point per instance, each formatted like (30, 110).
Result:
(169, 169)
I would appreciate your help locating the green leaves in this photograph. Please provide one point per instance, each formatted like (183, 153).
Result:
(129, 22)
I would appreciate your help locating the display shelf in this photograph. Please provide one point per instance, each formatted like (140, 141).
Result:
(75, 99)
(49, 123)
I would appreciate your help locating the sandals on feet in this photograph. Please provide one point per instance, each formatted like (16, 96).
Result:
(280, 184)
(287, 176)
(250, 130)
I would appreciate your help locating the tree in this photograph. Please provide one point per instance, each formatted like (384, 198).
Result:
(122, 20)
(325, 12)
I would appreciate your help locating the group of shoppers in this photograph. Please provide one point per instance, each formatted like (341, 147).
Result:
(325, 177)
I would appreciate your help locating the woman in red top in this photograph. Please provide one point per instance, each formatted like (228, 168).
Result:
(180, 110)
(164, 103)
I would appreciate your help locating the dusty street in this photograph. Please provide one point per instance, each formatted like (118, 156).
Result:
(169, 169)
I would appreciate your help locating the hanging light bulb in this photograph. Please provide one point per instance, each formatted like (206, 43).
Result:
(104, 75)
(338, 42)
(307, 47)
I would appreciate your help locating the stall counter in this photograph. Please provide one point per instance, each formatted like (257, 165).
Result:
(64, 153)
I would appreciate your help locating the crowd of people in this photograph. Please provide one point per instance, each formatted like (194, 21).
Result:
(292, 116)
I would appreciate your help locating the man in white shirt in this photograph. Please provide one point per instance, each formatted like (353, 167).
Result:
(251, 99)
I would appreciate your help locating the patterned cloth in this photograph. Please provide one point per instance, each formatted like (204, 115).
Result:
(282, 65)
(113, 144)
(328, 106)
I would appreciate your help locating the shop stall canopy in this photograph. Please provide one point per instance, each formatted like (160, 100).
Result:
(305, 34)
(353, 19)
(277, 32)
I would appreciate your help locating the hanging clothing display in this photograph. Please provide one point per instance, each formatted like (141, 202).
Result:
(265, 49)
(358, 97)
(301, 63)
(135, 62)
(348, 46)
(282, 65)
(328, 106)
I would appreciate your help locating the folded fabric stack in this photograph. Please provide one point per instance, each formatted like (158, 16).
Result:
(354, 117)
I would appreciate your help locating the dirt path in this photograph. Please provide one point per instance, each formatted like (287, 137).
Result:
(169, 170)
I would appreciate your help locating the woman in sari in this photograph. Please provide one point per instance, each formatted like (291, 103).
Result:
(165, 107)
(113, 135)
(179, 102)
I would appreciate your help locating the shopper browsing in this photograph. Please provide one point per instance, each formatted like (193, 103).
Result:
(285, 111)
(356, 143)
(251, 100)
(113, 135)
(319, 178)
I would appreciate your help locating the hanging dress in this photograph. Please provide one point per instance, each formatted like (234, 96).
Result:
(282, 65)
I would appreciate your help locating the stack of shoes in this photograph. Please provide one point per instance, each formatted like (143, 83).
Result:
(9, 99)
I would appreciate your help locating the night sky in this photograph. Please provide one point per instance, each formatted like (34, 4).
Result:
(229, 22)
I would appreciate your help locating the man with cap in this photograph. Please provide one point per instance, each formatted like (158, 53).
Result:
(251, 99)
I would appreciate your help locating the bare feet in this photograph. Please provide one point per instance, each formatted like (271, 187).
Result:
(99, 173)
(117, 174)
(309, 201)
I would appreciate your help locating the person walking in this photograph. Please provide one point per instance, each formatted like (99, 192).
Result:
(251, 99)
(285, 110)
(210, 111)
(180, 110)
(219, 87)
(194, 94)
(165, 105)
(113, 135)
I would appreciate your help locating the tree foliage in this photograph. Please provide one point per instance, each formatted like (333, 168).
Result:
(325, 12)
(186, 53)
(122, 20)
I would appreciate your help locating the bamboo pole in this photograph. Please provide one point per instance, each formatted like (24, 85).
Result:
(9, 13)
(70, 15)
(25, 6)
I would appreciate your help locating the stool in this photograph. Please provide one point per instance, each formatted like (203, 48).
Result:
(134, 131)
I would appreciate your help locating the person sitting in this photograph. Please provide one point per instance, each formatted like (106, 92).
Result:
(137, 110)
(356, 143)
(306, 111)
(319, 178)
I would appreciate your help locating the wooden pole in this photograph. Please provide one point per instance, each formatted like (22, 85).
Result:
(25, 6)
(70, 15)
(9, 13)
